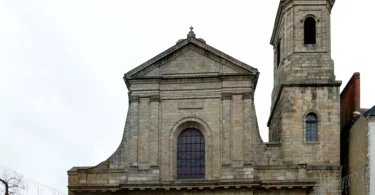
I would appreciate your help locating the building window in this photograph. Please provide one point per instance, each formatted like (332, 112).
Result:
(311, 125)
(190, 155)
(310, 30)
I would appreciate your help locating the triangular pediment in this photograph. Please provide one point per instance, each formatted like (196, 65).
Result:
(190, 57)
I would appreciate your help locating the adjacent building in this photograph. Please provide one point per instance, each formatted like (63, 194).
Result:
(357, 141)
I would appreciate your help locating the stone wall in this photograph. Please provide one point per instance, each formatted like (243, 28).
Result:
(275, 127)
(300, 101)
(304, 82)
(234, 151)
(302, 63)
(228, 191)
(193, 85)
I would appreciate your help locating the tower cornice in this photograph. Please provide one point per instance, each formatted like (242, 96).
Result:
(280, 89)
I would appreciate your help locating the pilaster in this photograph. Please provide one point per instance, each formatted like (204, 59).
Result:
(133, 153)
(154, 130)
(226, 125)
(237, 127)
(249, 130)
(143, 132)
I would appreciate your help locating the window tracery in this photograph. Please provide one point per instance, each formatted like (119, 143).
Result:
(190, 154)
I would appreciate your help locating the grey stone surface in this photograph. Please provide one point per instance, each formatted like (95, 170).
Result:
(193, 85)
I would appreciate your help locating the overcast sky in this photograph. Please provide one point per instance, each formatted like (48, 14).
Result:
(63, 101)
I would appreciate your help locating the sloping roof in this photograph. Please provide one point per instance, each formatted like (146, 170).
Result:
(370, 112)
(182, 43)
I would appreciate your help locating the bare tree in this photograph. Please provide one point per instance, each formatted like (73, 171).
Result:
(12, 183)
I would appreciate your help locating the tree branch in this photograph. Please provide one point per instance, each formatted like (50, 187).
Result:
(6, 186)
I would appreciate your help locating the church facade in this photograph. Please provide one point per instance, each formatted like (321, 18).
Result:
(191, 126)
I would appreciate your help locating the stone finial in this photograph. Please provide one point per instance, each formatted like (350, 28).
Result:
(191, 33)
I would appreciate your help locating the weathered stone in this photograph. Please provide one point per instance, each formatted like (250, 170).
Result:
(193, 85)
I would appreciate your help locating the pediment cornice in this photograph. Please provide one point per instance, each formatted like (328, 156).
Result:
(191, 43)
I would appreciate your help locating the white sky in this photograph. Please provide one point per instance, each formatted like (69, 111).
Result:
(63, 101)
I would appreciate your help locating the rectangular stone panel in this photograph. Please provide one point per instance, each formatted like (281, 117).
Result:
(190, 104)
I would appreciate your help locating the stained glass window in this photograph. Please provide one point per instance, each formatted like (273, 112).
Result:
(190, 155)
(311, 127)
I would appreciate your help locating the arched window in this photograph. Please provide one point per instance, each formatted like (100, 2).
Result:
(310, 30)
(190, 155)
(311, 125)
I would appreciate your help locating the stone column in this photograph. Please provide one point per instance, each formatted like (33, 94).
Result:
(249, 136)
(133, 151)
(154, 130)
(144, 131)
(226, 128)
(237, 128)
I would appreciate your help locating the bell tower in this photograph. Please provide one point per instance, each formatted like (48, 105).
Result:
(305, 109)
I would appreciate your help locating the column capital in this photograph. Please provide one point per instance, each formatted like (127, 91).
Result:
(226, 96)
(155, 98)
(248, 95)
(133, 99)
